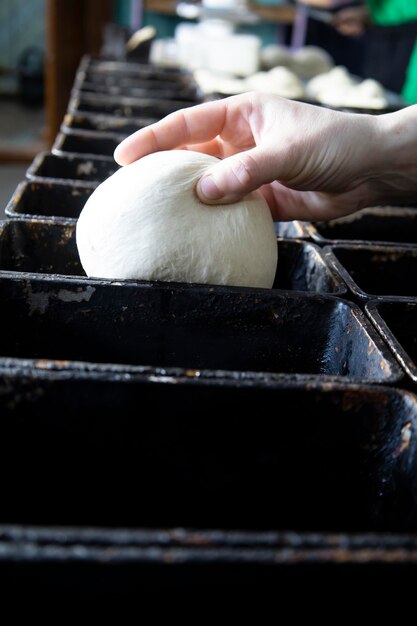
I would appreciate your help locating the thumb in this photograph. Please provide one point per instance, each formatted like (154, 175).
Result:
(236, 176)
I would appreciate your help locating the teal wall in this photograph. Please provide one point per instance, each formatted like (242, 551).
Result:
(165, 24)
(22, 24)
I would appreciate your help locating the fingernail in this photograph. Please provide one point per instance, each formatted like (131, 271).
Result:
(116, 156)
(207, 188)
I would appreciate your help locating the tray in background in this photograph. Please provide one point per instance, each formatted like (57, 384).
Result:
(87, 142)
(375, 272)
(103, 123)
(47, 199)
(376, 226)
(78, 169)
(137, 88)
(124, 107)
(397, 323)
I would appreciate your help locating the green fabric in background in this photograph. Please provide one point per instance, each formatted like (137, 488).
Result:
(409, 90)
(392, 12)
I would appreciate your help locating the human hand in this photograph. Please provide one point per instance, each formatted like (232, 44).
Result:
(310, 163)
(322, 4)
(351, 21)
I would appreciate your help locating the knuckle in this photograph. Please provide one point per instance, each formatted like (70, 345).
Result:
(244, 169)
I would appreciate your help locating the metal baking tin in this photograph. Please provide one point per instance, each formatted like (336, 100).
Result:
(139, 88)
(194, 327)
(375, 226)
(48, 246)
(154, 450)
(375, 272)
(79, 169)
(293, 230)
(397, 323)
(103, 123)
(47, 199)
(87, 142)
(123, 106)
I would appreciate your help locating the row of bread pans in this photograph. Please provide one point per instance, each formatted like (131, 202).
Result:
(375, 252)
(59, 185)
(205, 407)
(246, 340)
(378, 275)
(113, 481)
(298, 327)
(384, 270)
(181, 443)
(106, 106)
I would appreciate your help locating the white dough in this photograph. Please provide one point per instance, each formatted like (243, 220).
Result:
(213, 82)
(309, 61)
(339, 89)
(351, 97)
(305, 62)
(285, 83)
(372, 88)
(274, 55)
(369, 94)
(145, 222)
(280, 81)
(337, 79)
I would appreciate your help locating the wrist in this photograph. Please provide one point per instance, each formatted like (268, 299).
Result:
(393, 177)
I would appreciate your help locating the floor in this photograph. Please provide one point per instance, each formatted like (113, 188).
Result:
(22, 129)
(22, 136)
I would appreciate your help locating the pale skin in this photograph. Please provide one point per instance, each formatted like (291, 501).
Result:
(350, 21)
(310, 163)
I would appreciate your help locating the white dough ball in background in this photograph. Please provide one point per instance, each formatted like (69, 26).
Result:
(280, 81)
(145, 222)
(368, 94)
(274, 55)
(164, 53)
(351, 98)
(309, 61)
(333, 96)
(336, 78)
(286, 83)
(355, 99)
(212, 82)
(258, 81)
(371, 88)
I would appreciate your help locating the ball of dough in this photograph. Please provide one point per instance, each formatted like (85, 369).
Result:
(213, 82)
(368, 94)
(371, 88)
(145, 222)
(337, 79)
(309, 61)
(285, 83)
(274, 54)
(280, 81)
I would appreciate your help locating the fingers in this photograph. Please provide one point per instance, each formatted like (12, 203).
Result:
(236, 176)
(213, 147)
(289, 204)
(193, 125)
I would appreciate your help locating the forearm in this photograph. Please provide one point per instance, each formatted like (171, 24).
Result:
(324, 4)
(394, 179)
